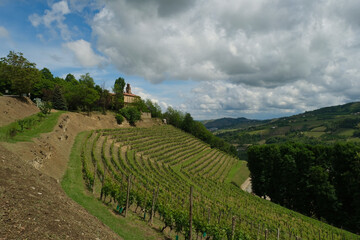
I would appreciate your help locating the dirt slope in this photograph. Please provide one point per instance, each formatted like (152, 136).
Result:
(34, 206)
(15, 108)
(32, 202)
(50, 152)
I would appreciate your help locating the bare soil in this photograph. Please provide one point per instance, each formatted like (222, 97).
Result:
(32, 202)
(246, 186)
(15, 108)
(34, 206)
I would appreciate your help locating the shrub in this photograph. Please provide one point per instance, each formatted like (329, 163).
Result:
(12, 132)
(119, 118)
(45, 107)
(132, 114)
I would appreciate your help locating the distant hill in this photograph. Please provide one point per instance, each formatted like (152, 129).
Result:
(321, 126)
(223, 123)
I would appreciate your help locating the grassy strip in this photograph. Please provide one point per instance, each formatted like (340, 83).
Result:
(238, 173)
(38, 125)
(73, 185)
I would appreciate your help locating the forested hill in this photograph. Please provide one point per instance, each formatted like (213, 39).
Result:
(321, 126)
(223, 123)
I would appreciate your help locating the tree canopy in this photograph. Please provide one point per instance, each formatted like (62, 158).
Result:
(326, 178)
(20, 72)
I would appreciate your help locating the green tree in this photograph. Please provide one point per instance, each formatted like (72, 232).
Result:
(119, 93)
(22, 72)
(58, 101)
(174, 117)
(188, 124)
(132, 114)
(140, 105)
(47, 74)
(154, 109)
(87, 80)
(5, 80)
(71, 79)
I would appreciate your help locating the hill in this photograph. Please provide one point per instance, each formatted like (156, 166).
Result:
(325, 126)
(224, 123)
(162, 163)
(32, 203)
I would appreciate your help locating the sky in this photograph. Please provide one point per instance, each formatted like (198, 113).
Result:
(212, 58)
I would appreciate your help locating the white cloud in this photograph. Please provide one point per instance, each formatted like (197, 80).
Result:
(280, 55)
(54, 18)
(233, 100)
(84, 54)
(3, 32)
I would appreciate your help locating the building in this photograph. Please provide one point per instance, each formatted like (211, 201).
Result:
(129, 97)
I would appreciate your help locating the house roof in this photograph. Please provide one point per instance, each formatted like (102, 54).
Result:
(130, 94)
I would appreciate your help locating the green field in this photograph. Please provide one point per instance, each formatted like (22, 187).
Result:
(30, 127)
(166, 157)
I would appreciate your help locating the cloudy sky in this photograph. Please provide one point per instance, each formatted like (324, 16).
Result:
(213, 58)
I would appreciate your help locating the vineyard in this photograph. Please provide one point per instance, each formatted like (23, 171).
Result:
(153, 169)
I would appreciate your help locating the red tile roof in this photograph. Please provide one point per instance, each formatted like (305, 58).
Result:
(130, 95)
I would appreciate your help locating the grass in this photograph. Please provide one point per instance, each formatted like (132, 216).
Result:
(346, 132)
(314, 134)
(238, 173)
(36, 127)
(72, 183)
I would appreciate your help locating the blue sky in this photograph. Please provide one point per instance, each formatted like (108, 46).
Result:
(255, 59)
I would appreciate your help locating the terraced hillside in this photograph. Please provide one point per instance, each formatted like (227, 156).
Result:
(162, 163)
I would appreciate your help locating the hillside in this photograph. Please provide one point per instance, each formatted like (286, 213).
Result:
(32, 203)
(224, 123)
(156, 157)
(325, 126)
(14, 108)
(166, 157)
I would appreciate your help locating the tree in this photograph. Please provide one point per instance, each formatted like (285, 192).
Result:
(174, 117)
(105, 99)
(188, 123)
(119, 93)
(47, 74)
(5, 81)
(23, 74)
(132, 114)
(140, 105)
(154, 109)
(87, 80)
(71, 79)
(58, 101)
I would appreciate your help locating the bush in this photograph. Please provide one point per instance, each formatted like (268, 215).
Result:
(119, 118)
(132, 114)
(45, 107)
(12, 132)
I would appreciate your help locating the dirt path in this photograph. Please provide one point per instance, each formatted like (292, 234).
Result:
(246, 186)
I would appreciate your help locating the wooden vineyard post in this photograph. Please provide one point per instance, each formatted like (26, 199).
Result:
(190, 213)
(266, 234)
(128, 195)
(153, 204)
(233, 228)
(278, 234)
